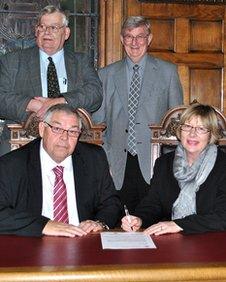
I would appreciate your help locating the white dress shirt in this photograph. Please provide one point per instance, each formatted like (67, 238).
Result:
(48, 179)
(59, 62)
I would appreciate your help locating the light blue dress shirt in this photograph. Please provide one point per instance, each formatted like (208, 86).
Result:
(59, 62)
(129, 69)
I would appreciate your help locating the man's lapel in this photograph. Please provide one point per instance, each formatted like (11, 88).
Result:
(35, 177)
(81, 180)
(33, 62)
(149, 80)
(71, 69)
(120, 81)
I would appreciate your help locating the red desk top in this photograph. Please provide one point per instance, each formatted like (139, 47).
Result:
(59, 251)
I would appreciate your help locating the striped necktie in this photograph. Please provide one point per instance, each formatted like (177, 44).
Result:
(60, 212)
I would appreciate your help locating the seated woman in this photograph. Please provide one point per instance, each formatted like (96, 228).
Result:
(188, 188)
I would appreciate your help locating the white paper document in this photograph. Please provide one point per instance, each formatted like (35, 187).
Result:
(126, 240)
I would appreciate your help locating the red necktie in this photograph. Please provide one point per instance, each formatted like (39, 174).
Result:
(60, 212)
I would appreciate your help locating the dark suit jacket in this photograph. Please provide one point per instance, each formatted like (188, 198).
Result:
(20, 81)
(21, 189)
(210, 199)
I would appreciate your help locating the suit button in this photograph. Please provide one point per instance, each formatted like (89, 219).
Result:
(126, 130)
(125, 150)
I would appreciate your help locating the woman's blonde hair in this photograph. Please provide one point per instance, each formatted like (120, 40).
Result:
(208, 116)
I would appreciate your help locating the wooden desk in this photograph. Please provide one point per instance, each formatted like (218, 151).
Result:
(177, 258)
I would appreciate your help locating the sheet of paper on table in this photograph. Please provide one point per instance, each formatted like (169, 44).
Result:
(126, 240)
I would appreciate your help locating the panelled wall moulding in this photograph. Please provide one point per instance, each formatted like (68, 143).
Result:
(212, 2)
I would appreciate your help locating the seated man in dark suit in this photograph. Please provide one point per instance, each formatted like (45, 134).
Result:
(56, 185)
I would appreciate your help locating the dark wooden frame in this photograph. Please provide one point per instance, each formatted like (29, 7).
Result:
(211, 2)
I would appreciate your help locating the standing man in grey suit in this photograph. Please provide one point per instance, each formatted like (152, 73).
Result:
(23, 74)
(138, 90)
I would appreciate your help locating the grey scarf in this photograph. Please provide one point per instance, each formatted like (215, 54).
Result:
(190, 178)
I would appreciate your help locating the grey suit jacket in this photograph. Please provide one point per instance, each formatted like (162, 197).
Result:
(161, 90)
(20, 80)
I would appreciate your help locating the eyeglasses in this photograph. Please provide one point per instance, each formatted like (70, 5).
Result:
(139, 38)
(50, 28)
(59, 130)
(198, 129)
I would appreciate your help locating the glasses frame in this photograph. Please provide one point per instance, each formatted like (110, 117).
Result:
(50, 28)
(198, 129)
(139, 38)
(60, 131)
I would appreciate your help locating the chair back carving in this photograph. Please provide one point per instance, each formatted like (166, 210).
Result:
(21, 134)
(164, 134)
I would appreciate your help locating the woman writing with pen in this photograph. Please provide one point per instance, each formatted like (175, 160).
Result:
(188, 188)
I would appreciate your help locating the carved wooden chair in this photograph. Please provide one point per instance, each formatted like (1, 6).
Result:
(21, 134)
(163, 136)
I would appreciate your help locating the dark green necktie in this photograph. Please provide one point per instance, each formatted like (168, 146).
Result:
(52, 80)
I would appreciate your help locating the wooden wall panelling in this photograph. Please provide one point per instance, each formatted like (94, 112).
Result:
(111, 18)
(206, 82)
(164, 42)
(132, 8)
(206, 36)
(181, 43)
(181, 31)
(205, 85)
(102, 34)
(205, 12)
(184, 74)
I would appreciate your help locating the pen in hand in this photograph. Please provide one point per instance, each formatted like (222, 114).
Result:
(128, 216)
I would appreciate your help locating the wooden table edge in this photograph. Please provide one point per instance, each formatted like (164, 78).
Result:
(117, 273)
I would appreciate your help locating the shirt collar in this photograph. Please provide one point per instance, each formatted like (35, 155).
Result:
(56, 57)
(141, 63)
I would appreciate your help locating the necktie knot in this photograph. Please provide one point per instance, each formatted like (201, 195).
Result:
(50, 60)
(136, 68)
(58, 170)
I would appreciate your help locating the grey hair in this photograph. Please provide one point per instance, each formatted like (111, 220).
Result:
(136, 21)
(50, 9)
(65, 108)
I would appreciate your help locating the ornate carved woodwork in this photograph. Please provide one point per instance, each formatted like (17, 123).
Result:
(21, 134)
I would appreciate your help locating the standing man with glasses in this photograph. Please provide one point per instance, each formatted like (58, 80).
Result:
(138, 90)
(56, 185)
(33, 79)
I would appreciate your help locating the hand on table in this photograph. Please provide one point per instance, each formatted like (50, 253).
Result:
(55, 228)
(131, 223)
(163, 227)
(90, 225)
